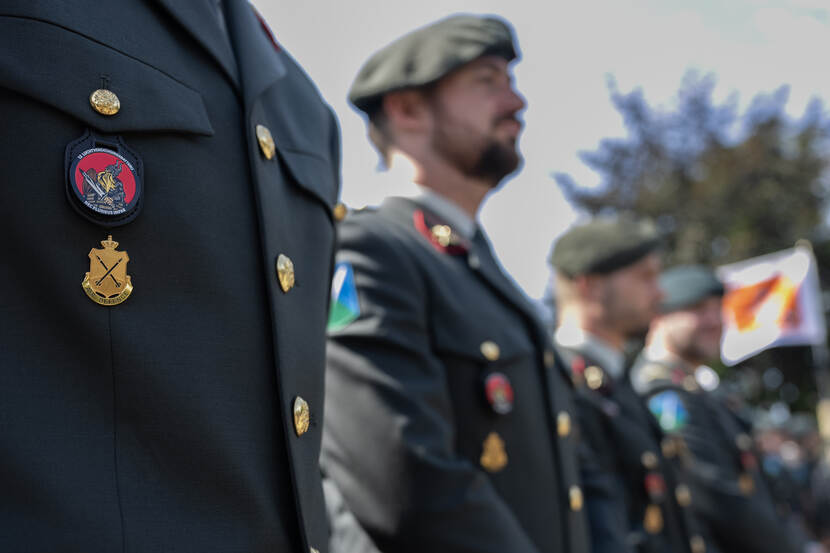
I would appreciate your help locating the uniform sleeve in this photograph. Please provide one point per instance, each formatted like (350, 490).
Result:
(389, 428)
(747, 524)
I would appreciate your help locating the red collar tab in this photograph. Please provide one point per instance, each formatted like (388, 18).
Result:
(442, 237)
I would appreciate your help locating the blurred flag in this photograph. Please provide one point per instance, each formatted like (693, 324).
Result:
(772, 300)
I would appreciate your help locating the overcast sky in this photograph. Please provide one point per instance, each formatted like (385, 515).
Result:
(568, 51)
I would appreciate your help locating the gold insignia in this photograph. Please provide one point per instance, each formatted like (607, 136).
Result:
(690, 384)
(442, 234)
(312, 550)
(285, 272)
(649, 460)
(653, 519)
(683, 495)
(266, 141)
(105, 102)
(302, 416)
(493, 455)
(575, 498)
(107, 282)
(490, 350)
(697, 544)
(339, 212)
(563, 424)
(594, 377)
(549, 359)
(746, 483)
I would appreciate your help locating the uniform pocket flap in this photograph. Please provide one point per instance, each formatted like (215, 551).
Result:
(61, 68)
(312, 173)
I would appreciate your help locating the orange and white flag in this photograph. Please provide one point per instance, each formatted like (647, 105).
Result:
(772, 300)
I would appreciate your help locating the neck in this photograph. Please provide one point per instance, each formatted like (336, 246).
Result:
(575, 315)
(466, 192)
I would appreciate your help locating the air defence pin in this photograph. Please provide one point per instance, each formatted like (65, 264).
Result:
(107, 282)
(499, 393)
(104, 179)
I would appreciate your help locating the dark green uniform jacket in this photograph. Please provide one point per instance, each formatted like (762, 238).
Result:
(623, 438)
(447, 417)
(164, 423)
(730, 494)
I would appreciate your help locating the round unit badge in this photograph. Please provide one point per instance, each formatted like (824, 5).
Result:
(104, 179)
(499, 393)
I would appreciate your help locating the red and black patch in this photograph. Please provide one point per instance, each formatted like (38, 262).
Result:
(104, 179)
(499, 392)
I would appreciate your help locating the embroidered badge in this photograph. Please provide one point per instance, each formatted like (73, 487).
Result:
(104, 179)
(345, 307)
(499, 393)
(669, 410)
(107, 282)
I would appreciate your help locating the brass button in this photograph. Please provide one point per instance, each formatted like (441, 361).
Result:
(340, 212)
(563, 424)
(697, 544)
(649, 460)
(549, 359)
(490, 350)
(105, 102)
(683, 495)
(575, 496)
(302, 416)
(594, 377)
(285, 272)
(746, 483)
(266, 141)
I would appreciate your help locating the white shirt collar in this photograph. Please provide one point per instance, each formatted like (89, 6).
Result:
(609, 358)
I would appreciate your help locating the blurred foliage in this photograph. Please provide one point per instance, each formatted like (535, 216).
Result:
(722, 185)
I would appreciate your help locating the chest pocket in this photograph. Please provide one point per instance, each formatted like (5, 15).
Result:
(75, 66)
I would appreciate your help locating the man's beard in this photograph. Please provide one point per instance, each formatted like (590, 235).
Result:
(473, 153)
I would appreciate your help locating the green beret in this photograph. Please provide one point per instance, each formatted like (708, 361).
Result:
(603, 246)
(686, 285)
(429, 53)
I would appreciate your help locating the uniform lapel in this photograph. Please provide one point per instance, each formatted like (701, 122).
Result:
(260, 64)
(198, 19)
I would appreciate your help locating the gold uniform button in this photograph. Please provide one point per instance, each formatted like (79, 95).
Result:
(285, 272)
(563, 424)
(697, 544)
(669, 448)
(266, 141)
(743, 441)
(490, 350)
(340, 212)
(105, 101)
(594, 377)
(575, 496)
(649, 460)
(549, 359)
(302, 416)
(683, 495)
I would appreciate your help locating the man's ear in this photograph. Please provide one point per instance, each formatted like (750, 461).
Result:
(588, 286)
(407, 110)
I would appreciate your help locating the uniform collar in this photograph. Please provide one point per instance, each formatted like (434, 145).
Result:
(611, 360)
(446, 210)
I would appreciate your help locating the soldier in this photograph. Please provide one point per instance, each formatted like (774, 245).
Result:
(730, 494)
(606, 293)
(161, 353)
(447, 419)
